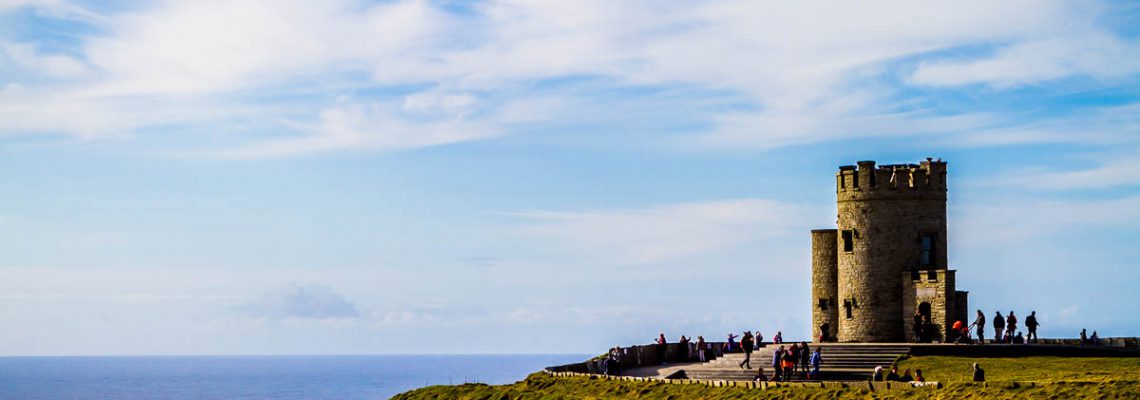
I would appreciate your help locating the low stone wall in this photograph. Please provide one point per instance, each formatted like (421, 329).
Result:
(1110, 347)
(872, 386)
(640, 356)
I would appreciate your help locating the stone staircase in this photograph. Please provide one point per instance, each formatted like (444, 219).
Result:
(847, 362)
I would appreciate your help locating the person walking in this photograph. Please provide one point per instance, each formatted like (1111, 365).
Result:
(1031, 324)
(979, 373)
(746, 346)
(702, 347)
(816, 359)
(980, 326)
(999, 326)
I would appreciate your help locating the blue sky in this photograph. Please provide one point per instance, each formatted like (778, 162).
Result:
(291, 177)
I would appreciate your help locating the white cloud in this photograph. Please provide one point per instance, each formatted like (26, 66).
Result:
(808, 74)
(667, 232)
(1096, 54)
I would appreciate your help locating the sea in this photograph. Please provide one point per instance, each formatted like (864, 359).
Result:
(256, 377)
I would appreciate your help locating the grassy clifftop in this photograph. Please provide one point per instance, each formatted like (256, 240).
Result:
(1111, 378)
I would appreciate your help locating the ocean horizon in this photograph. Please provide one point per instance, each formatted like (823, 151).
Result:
(256, 376)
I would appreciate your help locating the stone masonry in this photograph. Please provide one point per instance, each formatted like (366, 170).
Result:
(887, 259)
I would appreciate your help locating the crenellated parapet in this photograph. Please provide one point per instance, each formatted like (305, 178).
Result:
(866, 181)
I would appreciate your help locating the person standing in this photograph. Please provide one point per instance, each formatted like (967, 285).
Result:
(701, 348)
(979, 373)
(1084, 337)
(779, 339)
(746, 346)
(661, 348)
(777, 363)
(805, 356)
(1010, 326)
(917, 327)
(999, 326)
(1031, 324)
(684, 343)
(980, 325)
(824, 332)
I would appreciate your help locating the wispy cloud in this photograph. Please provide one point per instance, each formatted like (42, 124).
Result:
(666, 232)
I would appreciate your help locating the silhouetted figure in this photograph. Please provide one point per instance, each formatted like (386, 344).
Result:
(893, 376)
(918, 376)
(730, 346)
(684, 342)
(746, 346)
(980, 324)
(824, 332)
(1010, 326)
(878, 375)
(917, 327)
(1031, 324)
(979, 373)
(760, 377)
(779, 339)
(906, 376)
(1084, 338)
(661, 348)
(999, 326)
(1095, 339)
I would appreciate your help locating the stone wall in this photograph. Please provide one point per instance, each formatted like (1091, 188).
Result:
(825, 281)
(885, 212)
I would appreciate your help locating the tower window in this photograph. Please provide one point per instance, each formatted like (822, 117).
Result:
(927, 249)
(823, 304)
(847, 307)
(848, 241)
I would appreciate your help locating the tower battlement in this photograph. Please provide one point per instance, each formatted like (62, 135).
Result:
(891, 222)
(865, 181)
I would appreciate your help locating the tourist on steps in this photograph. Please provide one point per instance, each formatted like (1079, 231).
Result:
(758, 339)
(980, 324)
(816, 359)
(779, 339)
(777, 363)
(1031, 324)
(661, 348)
(793, 356)
(730, 346)
(979, 373)
(999, 326)
(702, 346)
(746, 346)
(788, 364)
(805, 356)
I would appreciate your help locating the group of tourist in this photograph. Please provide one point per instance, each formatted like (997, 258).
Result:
(1005, 326)
(1089, 340)
(794, 361)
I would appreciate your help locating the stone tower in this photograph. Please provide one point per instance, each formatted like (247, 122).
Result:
(887, 259)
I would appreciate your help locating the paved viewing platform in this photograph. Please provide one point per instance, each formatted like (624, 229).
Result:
(842, 362)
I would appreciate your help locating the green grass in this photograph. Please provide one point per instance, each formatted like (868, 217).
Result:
(1027, 369)
(1063, 378)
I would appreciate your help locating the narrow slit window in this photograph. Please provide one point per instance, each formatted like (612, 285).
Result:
(847, 306)
(848, 241)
